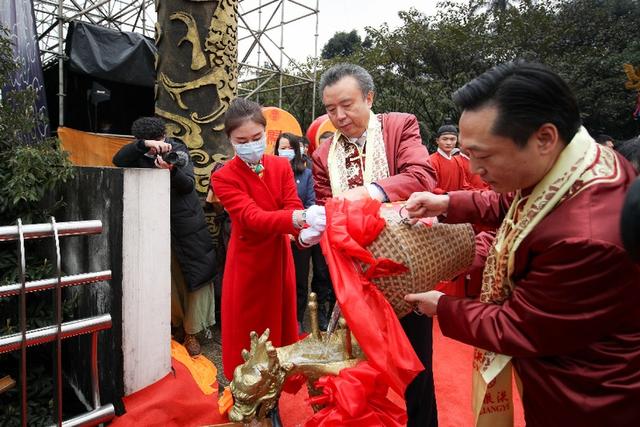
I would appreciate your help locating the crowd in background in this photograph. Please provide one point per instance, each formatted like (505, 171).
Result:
(276, 217)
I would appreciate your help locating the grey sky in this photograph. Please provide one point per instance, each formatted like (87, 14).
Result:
(335, 15)
(346, 15)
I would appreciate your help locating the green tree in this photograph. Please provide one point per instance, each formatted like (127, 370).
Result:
(496, 6)
(418, 65)
(593, 41)
(342, 44)
(28, 172)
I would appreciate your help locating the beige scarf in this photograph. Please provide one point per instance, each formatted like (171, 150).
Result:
(375, 164)
(492, 391)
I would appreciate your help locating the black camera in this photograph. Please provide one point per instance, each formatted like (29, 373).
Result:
(177, 158)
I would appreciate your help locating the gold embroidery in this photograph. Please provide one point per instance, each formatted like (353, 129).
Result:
(581, 164)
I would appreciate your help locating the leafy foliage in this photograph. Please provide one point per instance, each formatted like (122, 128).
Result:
(342, 44)
(39, 398)
(418, 65)
(29, 171)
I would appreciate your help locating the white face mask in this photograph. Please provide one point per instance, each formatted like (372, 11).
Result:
(287, 152)
(251, 152)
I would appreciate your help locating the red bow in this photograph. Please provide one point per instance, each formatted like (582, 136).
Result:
(351, 226)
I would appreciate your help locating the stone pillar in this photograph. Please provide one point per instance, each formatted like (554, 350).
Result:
(196, 79)
(197, 72)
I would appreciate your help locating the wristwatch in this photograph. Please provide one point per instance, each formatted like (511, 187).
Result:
(299, 220)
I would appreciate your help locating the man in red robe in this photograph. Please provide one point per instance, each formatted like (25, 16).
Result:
(452, 175)
(450, 169)
(381, 157)
(560, 297)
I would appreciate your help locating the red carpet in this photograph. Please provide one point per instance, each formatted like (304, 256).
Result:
(177, 400)
(452, 374)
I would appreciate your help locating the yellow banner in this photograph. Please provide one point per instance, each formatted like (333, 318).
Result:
(91, 149)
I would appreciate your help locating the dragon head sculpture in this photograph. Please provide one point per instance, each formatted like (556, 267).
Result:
(258, 382)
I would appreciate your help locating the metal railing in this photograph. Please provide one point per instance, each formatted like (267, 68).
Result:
(60, 330)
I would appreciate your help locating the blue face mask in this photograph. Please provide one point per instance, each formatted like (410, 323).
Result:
(287, 152)
(251, 152)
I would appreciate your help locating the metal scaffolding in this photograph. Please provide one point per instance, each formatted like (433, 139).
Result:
(262, 46)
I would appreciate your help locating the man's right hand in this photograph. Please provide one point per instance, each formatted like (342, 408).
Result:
(425, 204)
(157, 146)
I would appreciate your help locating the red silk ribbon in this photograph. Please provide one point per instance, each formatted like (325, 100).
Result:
(357, 397)
(351, 227)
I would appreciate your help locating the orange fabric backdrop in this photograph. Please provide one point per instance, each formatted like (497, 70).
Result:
(325, 126)
(279, 121)
(91, 149)
(316, 128)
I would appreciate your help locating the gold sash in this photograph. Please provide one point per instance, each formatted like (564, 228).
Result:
(492, 390)
(375, 164)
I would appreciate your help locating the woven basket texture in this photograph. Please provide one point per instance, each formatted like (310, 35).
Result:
(431, 253)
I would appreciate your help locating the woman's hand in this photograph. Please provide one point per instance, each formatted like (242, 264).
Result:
(309, 237)
(316, 217)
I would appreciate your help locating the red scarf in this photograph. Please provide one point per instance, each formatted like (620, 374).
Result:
(351, 227)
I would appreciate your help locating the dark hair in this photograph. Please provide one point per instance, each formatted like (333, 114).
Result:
(334, 74)
(325, 134)
(526, 95)
(447, 129)
(240, 111)
(602, 138)
(297, 163)
(148, 128)
(630, 150)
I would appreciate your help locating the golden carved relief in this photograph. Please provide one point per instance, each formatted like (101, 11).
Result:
(633, 77)
(197, 73)
(182, 128)
(216, 78)
(198, 59)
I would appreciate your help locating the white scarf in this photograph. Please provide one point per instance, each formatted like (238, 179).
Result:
(375, 166)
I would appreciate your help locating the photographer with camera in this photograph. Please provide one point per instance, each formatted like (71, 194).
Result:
(193, 260)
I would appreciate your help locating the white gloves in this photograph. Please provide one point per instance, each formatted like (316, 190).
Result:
(316, 217)
(309, 236)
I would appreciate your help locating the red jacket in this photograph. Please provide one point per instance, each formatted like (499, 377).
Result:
(259, 286)
(409, 167)
(451, 173)
(572, 323)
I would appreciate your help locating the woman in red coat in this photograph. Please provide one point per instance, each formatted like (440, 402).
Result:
(259, 193)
